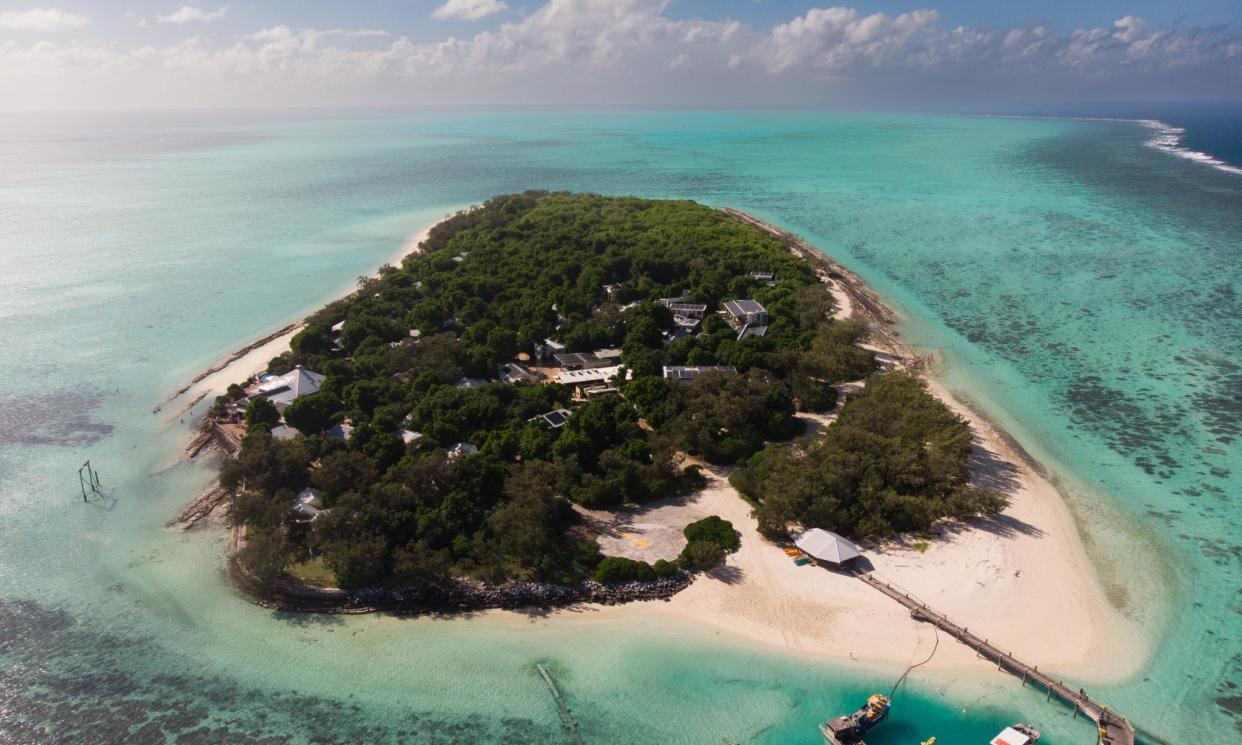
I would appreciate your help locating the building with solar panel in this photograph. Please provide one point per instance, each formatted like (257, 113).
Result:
(684, 374)
(746, 313)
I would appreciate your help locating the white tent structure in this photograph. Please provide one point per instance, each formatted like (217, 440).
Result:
(826, 546)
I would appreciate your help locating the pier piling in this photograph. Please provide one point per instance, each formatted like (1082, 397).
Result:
(567, 720)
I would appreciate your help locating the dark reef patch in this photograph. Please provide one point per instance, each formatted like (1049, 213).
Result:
(51, 419)
(62, 681)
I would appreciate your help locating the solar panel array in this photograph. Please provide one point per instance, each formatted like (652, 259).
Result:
(678, 373)
(578, 359)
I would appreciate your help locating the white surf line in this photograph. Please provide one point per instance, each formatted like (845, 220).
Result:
(1167, 139)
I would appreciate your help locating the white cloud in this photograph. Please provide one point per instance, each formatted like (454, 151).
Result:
(838, 38)
(619, 51)
(193, 14)
(468, 10)
(42, 19)
(357, 33)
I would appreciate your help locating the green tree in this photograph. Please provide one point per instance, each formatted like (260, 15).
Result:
(261, 414)
(715, 529)
(358, 562)
(618, 569)
(312, 414)
(264, 555)
(701, 555)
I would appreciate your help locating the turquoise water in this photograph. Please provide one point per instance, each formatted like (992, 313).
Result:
(1079, 287)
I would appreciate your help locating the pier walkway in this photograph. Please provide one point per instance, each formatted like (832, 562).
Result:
(1114, 729)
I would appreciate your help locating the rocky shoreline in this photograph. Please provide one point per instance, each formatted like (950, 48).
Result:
(458, 597)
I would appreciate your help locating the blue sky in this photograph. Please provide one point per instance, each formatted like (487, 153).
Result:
(888, 54)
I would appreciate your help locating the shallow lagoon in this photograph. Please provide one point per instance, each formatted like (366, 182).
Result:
(1081, 288)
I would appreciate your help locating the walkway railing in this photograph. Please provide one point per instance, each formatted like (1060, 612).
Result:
(1113, 728)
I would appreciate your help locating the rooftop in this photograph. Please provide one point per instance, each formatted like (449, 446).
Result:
(293, 384)
(743, 307)
(826, 546)
(408, 435)
(593, 375)
(751, 330)
(554, 419)
(582, 359)
(681, 372)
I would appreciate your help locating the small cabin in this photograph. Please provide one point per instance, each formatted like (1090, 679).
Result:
(512, 372)
(746, 312)
(554, 419)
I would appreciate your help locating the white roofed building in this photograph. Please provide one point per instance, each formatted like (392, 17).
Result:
(689, 310)
(685, 374)
(746, 312)
(409, 436)
(296, 383)
(826, 546)
(307, 505)
(588, 377)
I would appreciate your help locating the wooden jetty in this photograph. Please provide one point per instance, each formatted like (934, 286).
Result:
(567, 720)
(1113, 728)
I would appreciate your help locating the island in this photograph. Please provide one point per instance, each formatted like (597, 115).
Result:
(443, 437)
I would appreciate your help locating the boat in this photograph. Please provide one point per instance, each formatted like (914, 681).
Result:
(1017, 734)
(850, 730)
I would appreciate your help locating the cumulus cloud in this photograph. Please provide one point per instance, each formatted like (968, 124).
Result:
(193, 14)
(42, 19)
(619, 51)
(468, 10)
(835, 38)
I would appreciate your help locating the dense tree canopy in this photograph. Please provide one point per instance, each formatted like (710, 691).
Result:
(896, 459)
(494, 283)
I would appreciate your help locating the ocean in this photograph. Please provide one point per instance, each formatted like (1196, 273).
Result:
(1077, 281)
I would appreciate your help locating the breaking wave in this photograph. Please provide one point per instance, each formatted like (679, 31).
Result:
(1169, 139)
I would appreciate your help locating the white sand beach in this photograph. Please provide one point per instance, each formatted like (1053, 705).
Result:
(255, 359)
(1022, 580)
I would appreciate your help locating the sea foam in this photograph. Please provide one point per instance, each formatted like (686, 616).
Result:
(1168, 138)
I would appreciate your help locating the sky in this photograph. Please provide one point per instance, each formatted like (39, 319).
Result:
(888, 54)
